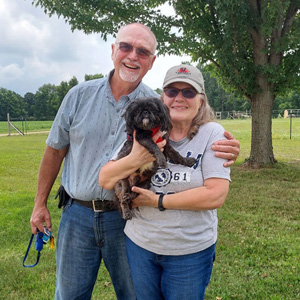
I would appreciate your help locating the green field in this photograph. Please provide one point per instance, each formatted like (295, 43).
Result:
(258, 250)
(26, 127)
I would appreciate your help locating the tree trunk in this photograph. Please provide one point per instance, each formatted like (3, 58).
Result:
(261, 142)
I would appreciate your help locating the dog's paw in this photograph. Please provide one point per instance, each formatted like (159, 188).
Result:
(190, 161)
(161, 161)
(128, 214)
(126, 208)
(125, 198)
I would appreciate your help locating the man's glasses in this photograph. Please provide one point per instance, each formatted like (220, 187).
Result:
(127, 48)
(188, 93)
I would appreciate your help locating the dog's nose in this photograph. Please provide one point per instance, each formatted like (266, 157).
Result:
(145, 114)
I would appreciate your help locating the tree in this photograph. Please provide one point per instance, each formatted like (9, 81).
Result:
(295, 99)
(88, 77)
(29, 104)
(45, 102)
(252, 46)
(49, 97)
(289, 101)
(218, 99)
(62, 89)
(158, 91)
(10, 102)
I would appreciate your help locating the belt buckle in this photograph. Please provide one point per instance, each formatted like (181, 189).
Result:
(94, 207)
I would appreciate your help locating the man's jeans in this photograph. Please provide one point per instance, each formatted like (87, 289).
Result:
(168, 277)
(84, 239)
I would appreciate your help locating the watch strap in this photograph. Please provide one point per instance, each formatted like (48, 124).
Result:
(160, 202)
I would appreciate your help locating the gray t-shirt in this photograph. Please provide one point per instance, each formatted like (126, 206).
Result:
(89, 122)
(180, 232)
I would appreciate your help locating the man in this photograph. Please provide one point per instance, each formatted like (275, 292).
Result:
(87, 130)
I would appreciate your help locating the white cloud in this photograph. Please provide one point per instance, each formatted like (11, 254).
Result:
(11, 72)
(36, 50)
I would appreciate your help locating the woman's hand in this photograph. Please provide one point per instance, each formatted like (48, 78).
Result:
(145, 198)
(227, 149)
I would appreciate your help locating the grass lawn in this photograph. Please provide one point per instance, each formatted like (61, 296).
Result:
(258, 250)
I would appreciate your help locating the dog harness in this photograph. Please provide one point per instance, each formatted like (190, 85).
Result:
(154, 131)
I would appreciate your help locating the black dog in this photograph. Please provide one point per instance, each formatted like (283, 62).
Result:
(146, 116)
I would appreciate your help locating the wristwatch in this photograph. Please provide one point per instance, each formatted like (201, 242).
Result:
(160, 204)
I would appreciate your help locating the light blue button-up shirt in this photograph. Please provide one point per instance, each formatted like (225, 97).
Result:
(90, 122)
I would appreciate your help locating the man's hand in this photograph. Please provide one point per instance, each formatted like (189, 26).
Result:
(40, 215)
(48, 171)
(228, 149)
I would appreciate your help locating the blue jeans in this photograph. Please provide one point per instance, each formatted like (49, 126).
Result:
(84, 239)
(169, 277)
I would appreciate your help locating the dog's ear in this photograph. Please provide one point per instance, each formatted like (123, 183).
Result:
(166, 124)
(128, 115)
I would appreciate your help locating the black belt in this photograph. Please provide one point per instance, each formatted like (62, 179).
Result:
(98, 205)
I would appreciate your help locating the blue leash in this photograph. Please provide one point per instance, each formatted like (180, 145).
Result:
(38, 248)
(40, 239)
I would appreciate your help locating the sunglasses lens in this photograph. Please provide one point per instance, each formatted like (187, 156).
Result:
(189, 93)
(171, 92)
(124, 47)
(127, 48)
(143, 52)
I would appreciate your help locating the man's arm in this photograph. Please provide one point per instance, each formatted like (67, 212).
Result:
(48, 172)
(228, 149)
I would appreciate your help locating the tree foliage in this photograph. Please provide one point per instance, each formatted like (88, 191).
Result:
(49, 97)
(45, 101)
(10, 102)
(28, 104)
(41, 105)
(88, 77)
(221, 32)
(251, 46)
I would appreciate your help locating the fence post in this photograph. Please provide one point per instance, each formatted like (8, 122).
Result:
(8, 124)
(291, 116)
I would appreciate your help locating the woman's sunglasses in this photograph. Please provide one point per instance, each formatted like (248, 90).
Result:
(127, 48)
(188, 93)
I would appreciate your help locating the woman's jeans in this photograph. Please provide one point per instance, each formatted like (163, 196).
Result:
(168, 277)
(84, 239)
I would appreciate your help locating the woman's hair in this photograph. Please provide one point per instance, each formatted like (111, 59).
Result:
(204, 115)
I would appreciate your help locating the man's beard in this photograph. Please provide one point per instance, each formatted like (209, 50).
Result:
(129, 76)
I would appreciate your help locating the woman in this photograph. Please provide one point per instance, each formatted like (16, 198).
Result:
(171, 240)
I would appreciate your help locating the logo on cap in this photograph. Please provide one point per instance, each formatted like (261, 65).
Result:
(183, 71)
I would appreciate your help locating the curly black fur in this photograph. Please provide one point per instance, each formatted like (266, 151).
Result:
(142, 115)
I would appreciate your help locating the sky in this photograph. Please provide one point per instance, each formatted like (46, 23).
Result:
(36, 50)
